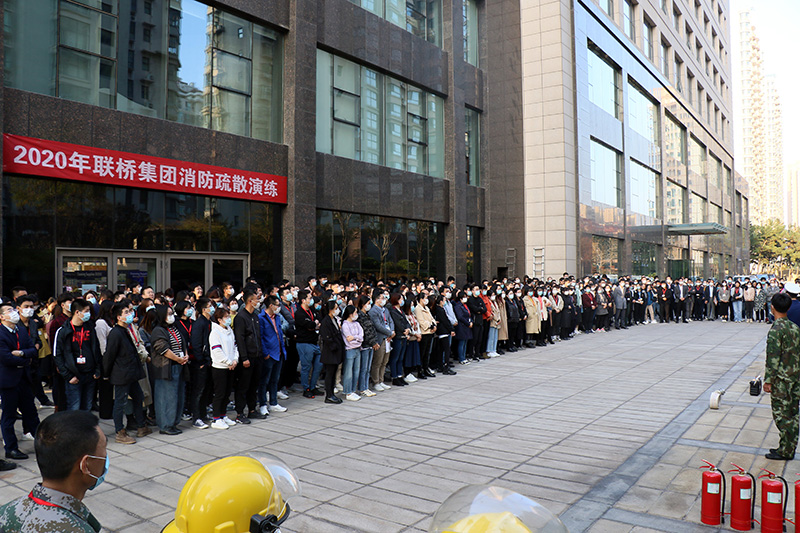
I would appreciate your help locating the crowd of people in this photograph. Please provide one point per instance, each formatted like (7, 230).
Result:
(227, 355)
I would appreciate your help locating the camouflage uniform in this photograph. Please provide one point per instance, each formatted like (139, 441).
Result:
(782, 370)
(46, 511)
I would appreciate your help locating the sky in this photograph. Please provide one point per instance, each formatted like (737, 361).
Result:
(776, 26)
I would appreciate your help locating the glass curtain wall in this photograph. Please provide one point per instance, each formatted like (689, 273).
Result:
(423, 18)
(176, 59)
(606, 175)
(470, 30)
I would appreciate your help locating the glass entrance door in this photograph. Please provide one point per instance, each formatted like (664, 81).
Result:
(230, 270)
(184, 272)
(142, 270)
(83, 272)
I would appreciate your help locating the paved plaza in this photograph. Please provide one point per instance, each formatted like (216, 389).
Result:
(606, 430)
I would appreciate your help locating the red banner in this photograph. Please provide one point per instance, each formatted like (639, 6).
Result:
(39, 157)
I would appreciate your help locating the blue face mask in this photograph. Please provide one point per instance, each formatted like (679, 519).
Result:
(219, 304)
(87, 316)
(129, 318)
(469, 293)
(289, 297)
(189, 312)
(150, 308)
(99, 480)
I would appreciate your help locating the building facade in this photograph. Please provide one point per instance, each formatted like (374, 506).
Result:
(759, 130)
(372, 114)
(627, 148)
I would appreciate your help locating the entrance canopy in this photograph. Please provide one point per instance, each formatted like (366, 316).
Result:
(703, 228)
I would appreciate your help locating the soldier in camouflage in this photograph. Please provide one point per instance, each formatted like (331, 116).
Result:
(782, 377)
(71, 453)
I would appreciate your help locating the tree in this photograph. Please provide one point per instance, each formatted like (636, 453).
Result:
(774, 249)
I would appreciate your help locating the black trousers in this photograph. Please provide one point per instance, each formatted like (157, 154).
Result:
(13, 398)
(198, 380)
(619, 318)
(289, 375)
(440, 356)
(477, 335)
(330, 378)
(519, 337)
(223, 380)
(106, 398)
(588, 319)
(246, 383)
(425, 347)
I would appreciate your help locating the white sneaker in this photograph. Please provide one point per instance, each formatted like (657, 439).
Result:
(228, 421)
(338, 388)
(262, 409)
(368, 393)
(410, 378)
(386, 387)
(199, 424)
(27, 436)
(353, 397)
(379, 387)
(277, 408)
(492, 355)
(282, 395)
(219, 423)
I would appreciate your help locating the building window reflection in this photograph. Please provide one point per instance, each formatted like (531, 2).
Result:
(605, 175)
(644, 187)
(421, 17)
(604, 85)
(605, 255)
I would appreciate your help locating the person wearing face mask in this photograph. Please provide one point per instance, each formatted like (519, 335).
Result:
(737, 297)
(589, 305)
(493, 325)
(169, 359)
(749, 301)
(512, 311)
(273, 352)
(619, 305)
(502, 332)
(368, 346)
(331, 348)
(200, 381)
(123, 368)
(463, 327)
(533, 322)
(288, 310)
(252, 367)
(62, 313)
(440, 356)
(72, 458)
(26, 307)
(477, 308)
(224, 360)
(427, 326)
(77, 357)
(353, 335)
(384, 327)
(603, 311)
(556, 314)
(16, 392)
(760, 303)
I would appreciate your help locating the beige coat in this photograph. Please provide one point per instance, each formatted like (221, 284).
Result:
(495, 320)
(425, 319)
(502, 333)
(533, 324)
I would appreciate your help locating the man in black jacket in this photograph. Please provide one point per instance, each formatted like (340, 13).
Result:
(307, 329)
(247, 332)
(77, 356)
(123, 368)
(200, 363)
(477, 307)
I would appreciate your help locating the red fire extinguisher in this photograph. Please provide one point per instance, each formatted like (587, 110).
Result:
(743, 501)
(713, 496)
(773, 502)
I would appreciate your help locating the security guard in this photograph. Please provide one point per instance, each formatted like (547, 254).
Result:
(259, 487)
(71, 452)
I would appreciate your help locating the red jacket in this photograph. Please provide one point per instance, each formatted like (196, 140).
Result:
(488, 314)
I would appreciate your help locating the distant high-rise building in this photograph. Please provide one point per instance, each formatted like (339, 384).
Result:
(760, 131)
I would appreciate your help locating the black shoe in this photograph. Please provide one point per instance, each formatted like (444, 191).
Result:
(47, 403)
(170, 431)
(333, 399)
(308, 394)
(16, 454)
(421, 375)
(429, 373)
(241, 419)
(775, 456)
(5, 466)
(257, 415)
(449, 372)
(500, 352)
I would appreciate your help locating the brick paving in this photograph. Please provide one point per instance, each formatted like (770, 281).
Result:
(606, 430)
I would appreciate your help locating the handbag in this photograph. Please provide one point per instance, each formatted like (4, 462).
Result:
(45, 350)
(141, 349)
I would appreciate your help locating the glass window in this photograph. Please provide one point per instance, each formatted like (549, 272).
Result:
(647, 38)
(728, 181)
(605, 175)
(605, 255)
(628, 19)
(715, 178)
(603, 84)
(665, 59)
(267, 95)
(470, 15)
(642, 114)
(435, 136)
(324, 102)
(472, 140)
(186, 80)
(644, 185)
(395, 124)
(371, 110)
(644, 258)
(675, 140)
(230, 111)
(420, 17)
(697, 209)
(697, 158)
(678, 74)
(675, 202)
(86, 78)
(608, 6)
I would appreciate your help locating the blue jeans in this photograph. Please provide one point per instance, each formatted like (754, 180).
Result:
(268, 381)
(362, 382)
(737, 311)
(462, 350)
(491, 346)
(121, 393)
(168, 398)
(350, 369)
(310, 365)
(396, 357)
(80, 395)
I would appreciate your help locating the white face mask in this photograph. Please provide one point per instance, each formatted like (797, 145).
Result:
(463, 300)
(234, 307)
(336, 312)
(13, 317)
(27, 313)
(367, 307)
(171, 319)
